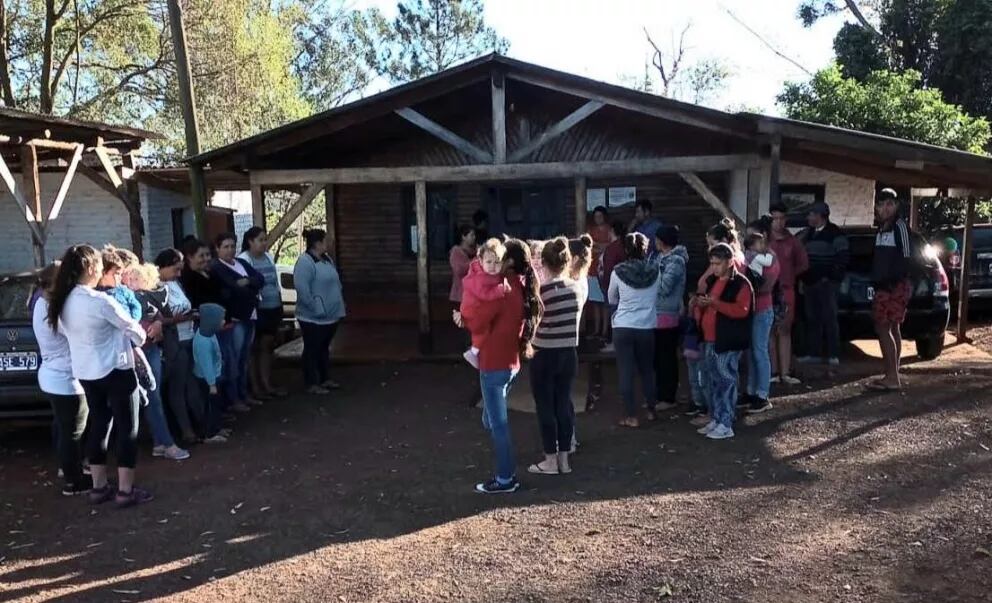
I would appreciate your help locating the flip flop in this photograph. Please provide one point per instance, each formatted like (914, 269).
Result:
(537, 469)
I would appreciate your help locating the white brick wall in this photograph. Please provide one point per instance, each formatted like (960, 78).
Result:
(156, 210)
(851, 199)
(89, 215)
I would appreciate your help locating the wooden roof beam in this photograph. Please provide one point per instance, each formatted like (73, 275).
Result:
(557, 130)
(295, 211)
(509, 171)
(15, 191)
(64, 187)
(711, 198)
(438, 131)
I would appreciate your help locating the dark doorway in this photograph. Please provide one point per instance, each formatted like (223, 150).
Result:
(526, 212)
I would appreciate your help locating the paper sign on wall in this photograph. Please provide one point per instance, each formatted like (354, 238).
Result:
(623, 195)
(595, 197)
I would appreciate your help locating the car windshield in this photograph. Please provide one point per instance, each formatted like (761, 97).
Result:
(14, 295)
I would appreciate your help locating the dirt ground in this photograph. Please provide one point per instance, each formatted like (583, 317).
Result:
(835, 495)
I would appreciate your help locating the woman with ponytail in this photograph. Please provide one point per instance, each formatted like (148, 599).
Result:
(101, 336)
(556, 358)
(510, 323)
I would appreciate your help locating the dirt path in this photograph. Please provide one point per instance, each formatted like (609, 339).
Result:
(833, 495)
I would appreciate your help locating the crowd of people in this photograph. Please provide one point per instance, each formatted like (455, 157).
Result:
(628, 284)
(195, 329)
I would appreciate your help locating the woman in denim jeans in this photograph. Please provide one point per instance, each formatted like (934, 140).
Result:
(510, 323)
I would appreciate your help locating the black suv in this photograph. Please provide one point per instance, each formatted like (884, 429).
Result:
(980, 273)
(929, 309)
(19, 356)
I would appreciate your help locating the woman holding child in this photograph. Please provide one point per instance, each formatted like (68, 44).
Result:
(763, 269)
(503, 326)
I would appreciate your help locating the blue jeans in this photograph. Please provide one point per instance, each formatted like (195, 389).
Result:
(759, 367)
(495, 389)
(697, 382)
(154, 413)
(235, 349)
(722, 371)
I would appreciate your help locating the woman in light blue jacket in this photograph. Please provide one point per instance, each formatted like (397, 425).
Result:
(319, 308)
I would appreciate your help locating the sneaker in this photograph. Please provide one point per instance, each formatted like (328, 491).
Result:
(695, 411)
(759, 405)
(705, 429)
(702, 419)
(240, 407)
(834, 362)
(175, 453)
(81, 487)
(226, 432)
(158, 451)
(663, 406)
(471, 358)
(216, 439)
(98, 496)
(720, 432)
(135, 497)
(744, 401)
(790, 380)
(807, 360)
(494, 486)
(776, 380)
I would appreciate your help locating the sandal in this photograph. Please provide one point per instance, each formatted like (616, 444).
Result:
(539, 470)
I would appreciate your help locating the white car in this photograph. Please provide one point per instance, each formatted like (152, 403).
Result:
(287, 289)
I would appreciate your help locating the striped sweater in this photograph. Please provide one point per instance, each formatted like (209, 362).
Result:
(559, 327)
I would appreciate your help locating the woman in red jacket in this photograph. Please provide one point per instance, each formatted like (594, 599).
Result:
(509, 324)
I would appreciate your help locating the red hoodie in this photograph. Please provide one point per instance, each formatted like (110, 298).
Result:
(502, 321)
(479, 287)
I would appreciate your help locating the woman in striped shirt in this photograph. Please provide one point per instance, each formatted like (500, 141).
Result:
(555, 362)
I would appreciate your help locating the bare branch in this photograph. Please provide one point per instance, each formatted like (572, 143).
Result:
(766, 42)
(860, 16)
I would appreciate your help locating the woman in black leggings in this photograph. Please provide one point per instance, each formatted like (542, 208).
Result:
(101, 337)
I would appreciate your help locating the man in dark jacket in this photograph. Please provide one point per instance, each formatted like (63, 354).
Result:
(890, 276)
(828, 253)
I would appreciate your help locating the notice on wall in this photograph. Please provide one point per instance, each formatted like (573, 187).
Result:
(414, 240)
(595, 197)
(623, 195)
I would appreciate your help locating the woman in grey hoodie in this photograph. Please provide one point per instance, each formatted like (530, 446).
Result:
(671, 260)
(634, 290)
(319, 308)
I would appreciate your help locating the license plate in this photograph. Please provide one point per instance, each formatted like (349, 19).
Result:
(12, 362)
(870, 292)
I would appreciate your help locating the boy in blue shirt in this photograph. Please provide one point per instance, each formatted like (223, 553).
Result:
(207, 367)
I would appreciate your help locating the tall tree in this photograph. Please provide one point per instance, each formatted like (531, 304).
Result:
(680, 77)
(432, 35)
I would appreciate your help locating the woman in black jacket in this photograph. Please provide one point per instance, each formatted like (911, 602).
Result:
(239, 287)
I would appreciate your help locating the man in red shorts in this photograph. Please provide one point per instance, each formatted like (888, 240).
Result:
(890, 274)
(792, 258)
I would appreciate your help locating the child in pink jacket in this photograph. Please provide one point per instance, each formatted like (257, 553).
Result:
(484, 282)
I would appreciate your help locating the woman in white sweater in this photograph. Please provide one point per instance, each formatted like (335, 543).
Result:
(634, 290)
(101, 336)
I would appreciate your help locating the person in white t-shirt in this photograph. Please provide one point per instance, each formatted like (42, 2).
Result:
(63, 391)
(101, 336)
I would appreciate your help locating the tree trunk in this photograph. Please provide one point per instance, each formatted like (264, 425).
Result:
(46, 104)
(7, 89)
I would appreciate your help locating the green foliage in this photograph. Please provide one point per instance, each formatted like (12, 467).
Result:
(429, 36)
(859, 53)
(937, 213)
(886, 103)
(963, 67)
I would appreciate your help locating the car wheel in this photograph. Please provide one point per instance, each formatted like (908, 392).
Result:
(929, 348)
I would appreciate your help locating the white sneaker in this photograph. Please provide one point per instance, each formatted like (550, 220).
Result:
(834, 362)
(176, 454)
(720, 432)
(708, 427)
(471, 358)
(217, 439)
(790, 380)
(157, 451)
(775, 379)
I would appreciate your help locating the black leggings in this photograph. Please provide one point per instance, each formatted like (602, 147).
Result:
(70, 423)
(113, 402)
(316, 351)
(552, 372)
(666, 363)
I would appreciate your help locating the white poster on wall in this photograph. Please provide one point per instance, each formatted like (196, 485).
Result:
(623, 195)
(595, 197)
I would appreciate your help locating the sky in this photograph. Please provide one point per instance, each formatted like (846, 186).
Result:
(604, 39)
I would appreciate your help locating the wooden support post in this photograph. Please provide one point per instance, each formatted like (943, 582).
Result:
(295, 211)
(32, 196)
(966, 252)
(18, 195)
(580, 205)
(754, 180)
(331, 222)
(499, 117)
(257, 204)
(423, 269)
(70, 173)
(133, 192)
(710, 197)
(556, 130)
(914, 211)
(438, 131)
(774, 194)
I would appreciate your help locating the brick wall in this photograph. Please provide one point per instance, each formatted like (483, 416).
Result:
(89, 215)
(851, 199)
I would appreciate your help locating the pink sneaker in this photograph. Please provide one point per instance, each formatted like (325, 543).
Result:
(471, 358)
